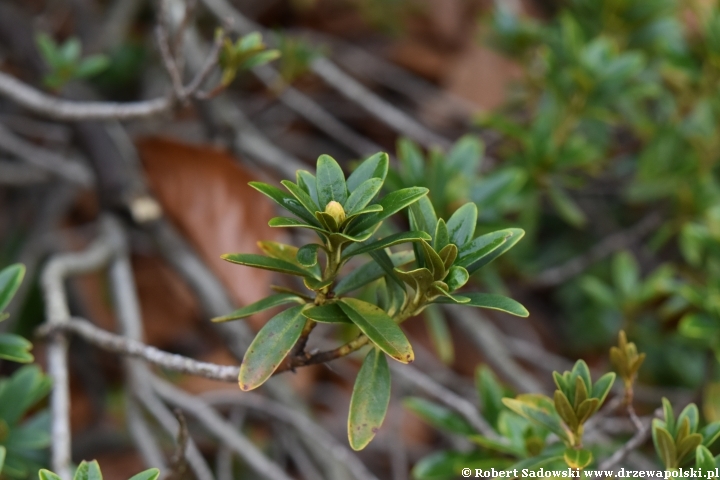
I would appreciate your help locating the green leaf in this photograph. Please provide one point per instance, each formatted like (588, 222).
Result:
(70, 51)
(21, 391)
(582, 370)
(266, 263)
(566, 207)
(15, 348)
(411, 160)
(330, 313)
(150, 474)
(370, 399)
(578, 459)
(88, 471)
(669, 416)
(692, 414)
(565, 410)
(456, 277)
(423, 215)
(392, 203)
(307, 255)
(379, 328)
(3, 452)
(665, 446)
(434, 262)
(330, 181)
(491, 394)
(486, 248)
(369, 272)
(439, 334)
(92, 66)
(390, 240)
(270, 346)
(375, 166)
(10, 279)
(308, 183)
(441, 237)
(448, 254)
(260, 58)
(49, 50)
(710, 433)
(287, 201)
(626, 273)
(438, 416)
(293, 223)
(302, 196)
(48, 475)
(264, 304)
(602, 386)
(461, 225)
(704, 459)
(539, 410)
(445, 465)
(362, 195)
(491, 301)
(465, 155)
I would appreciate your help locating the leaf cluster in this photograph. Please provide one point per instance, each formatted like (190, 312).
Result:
(65, 61)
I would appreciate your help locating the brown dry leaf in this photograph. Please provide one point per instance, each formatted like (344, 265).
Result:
(482, 76)
(205, 192)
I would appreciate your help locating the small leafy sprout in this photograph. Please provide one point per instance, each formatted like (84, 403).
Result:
(246, 53)
(627, 361)
(66, 62)
(296, 56)
(677, 440)
(91, 471)
(575, 401)
(12, 347)
(346, 213)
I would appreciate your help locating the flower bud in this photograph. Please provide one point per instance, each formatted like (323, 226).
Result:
(335, 210)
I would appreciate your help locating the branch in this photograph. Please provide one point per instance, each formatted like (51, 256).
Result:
(612, 243)
(304, 425)
(638, 439)
(59, 109)
(58, 313)
(126, 346)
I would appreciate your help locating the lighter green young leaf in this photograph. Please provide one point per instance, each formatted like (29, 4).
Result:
(362, 195)
(461, 225)
(330, 181)
(48, 475)
(88, 471)
(150, 474)
(375, 166)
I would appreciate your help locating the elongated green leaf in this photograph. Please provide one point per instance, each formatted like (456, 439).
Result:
(286, 201)
(287, 253)
(10, 279)
(490, 393)
(438, 416)
(433, 260)
(150, 474)
(15, 348)
(423, 216)
(461, 225)
(392, 203)
(375, 166)
(88, 471)
(21, 391)
(363, 195)
(385, 242)
(303, 197)
(602, 386)
(492, 301)
(379, 328)
(330, 181)
(307, 182)
(566, 207)
(270, 346)
(369, 272)
(266, 263)
(665, 447)
(264, 304)
(541, 413)
(442, 236)
(481, 247)
(465, 155)
(3, 452)
(439, 334)
(293, 223)
(704, 459)
(370, 399)
(710, 433)
(330, 313)
(513, 235)
(411, 159)
(565, 410)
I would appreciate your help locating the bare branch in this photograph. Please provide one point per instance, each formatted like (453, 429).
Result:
(133, 348)
(638, 439)
(304, 425)
(612, 243)
(58, 313)
(59, 109)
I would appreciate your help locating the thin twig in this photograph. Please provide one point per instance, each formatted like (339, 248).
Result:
(612, 243)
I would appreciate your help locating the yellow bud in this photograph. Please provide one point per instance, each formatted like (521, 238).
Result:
(335, 210)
